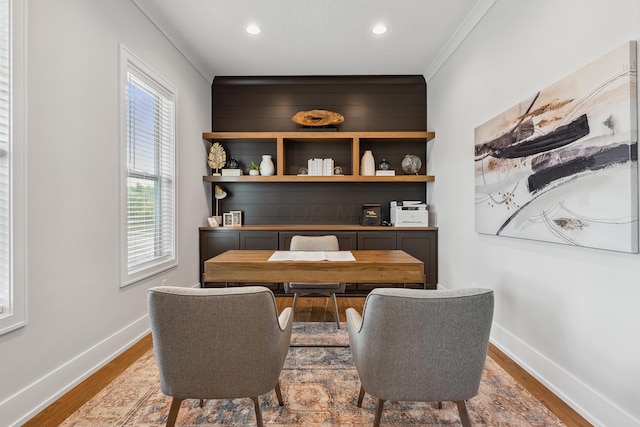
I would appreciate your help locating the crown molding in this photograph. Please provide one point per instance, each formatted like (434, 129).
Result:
(473, 18)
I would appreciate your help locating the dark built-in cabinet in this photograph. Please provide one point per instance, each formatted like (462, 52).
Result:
(420, 243)
(251, 117)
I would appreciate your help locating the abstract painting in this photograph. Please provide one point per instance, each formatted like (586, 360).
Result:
(562, 166)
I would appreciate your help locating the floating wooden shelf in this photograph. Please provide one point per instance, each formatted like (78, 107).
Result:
(350, 145)
(319, 135)
(309, 178)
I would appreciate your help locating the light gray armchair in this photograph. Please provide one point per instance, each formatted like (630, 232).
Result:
(315, 243)
(218, 343)
(421, 345)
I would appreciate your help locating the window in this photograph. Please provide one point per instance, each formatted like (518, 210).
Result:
(12, 167)
(149, 188)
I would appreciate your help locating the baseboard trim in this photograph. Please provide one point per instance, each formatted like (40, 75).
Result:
(29, 402)
(537, 389)
(556, 379)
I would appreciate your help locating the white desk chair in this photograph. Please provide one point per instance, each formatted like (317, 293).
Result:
(315, 243)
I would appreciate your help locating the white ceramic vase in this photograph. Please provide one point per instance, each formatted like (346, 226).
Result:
(367, 164)
(266, 165)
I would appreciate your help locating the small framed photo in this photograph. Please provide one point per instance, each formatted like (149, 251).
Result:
(227, 219)
(236, 218)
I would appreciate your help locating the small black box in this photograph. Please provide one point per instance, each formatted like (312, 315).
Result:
(370, 214)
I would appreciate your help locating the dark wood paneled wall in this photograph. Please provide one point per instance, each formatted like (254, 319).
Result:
(368, 103)
(314, 202)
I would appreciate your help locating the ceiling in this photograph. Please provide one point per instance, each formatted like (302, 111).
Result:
(315, 37)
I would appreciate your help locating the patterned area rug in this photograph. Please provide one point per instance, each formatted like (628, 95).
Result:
(320, 388)
(319, 334)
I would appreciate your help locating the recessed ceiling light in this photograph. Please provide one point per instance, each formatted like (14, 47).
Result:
(379, 29)
(253, 29)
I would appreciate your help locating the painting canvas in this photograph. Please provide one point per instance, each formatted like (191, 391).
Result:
(561, 166)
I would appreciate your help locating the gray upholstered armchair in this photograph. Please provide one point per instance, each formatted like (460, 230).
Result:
(315, 243)
(421, 345)
(218, 343)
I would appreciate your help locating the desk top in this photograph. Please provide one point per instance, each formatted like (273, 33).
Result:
(370, 266)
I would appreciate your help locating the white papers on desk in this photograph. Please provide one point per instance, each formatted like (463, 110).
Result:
(339, 256)
(312, 256)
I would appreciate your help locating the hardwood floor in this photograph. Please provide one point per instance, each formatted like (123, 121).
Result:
(318, 309)
(62, 408)
(310, 309)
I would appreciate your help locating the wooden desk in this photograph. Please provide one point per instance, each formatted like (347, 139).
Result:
(370, 266)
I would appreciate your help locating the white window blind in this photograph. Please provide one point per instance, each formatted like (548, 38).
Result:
(5, 162)
(150, 166)
(13, 284)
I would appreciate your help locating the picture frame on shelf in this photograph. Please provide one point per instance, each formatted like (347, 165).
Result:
(236, 218)
(227, 219)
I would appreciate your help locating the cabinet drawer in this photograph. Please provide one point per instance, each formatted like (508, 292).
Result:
(259, 240)
(424, 246)
(214, 243)
(377, 240)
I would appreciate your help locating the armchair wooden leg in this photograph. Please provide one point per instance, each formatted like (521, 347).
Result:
(279, 394)
(335, 310)
(293, 306)
(173, 412)
(360, 397)
(201, 403)
(439, 405)
(376, 421)
(256, 404)
(464, 415)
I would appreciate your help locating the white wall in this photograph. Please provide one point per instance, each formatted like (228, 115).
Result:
(78, 316)
(570, 316)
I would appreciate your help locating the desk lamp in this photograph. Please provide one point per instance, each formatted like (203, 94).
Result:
(219, 194)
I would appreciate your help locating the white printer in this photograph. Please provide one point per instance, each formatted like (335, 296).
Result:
(409, 213)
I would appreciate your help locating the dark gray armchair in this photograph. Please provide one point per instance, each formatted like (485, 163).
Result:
(218, 343)
(421, 345)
